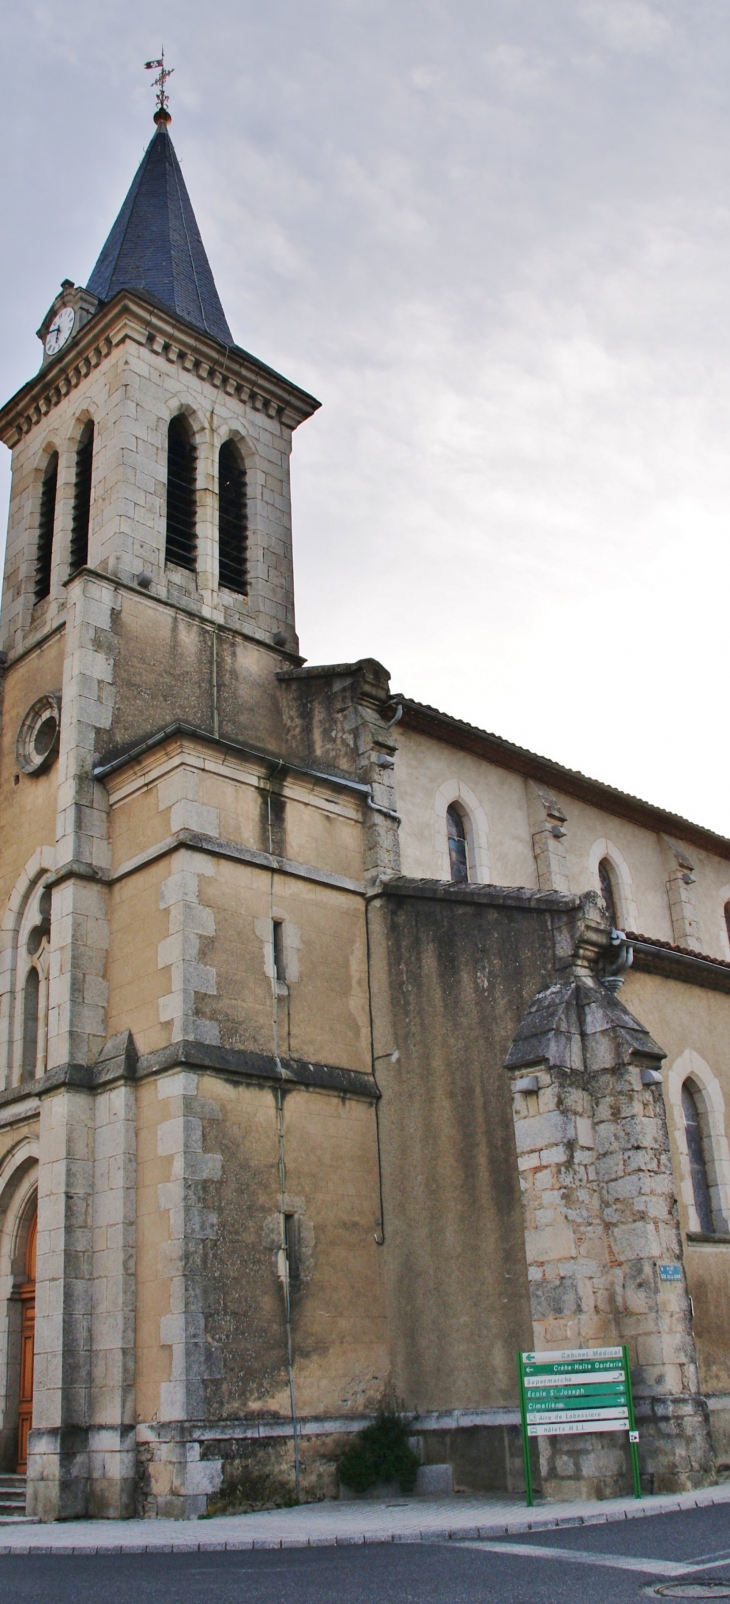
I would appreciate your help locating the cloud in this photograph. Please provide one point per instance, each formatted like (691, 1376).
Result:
(494, 240)
(629, 25)
(423, 77)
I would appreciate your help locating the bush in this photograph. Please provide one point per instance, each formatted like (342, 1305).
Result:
(381, 1453)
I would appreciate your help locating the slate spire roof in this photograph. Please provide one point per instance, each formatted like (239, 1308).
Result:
(155, 245)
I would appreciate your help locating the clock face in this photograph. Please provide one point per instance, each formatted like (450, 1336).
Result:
(60, 330)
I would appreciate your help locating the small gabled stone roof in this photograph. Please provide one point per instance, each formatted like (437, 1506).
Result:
(155, 245)
(579, 1024)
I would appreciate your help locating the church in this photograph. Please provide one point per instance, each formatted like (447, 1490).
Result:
(346, 1049)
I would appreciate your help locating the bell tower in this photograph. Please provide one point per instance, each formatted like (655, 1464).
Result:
(144, 344)
(148, 589)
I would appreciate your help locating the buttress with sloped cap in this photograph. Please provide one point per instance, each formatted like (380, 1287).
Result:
(155, 245)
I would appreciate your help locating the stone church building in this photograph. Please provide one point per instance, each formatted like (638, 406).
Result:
(318, 1087)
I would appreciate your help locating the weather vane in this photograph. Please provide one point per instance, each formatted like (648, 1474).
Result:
(163, 99)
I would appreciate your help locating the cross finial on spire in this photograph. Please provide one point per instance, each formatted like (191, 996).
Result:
(162, 114)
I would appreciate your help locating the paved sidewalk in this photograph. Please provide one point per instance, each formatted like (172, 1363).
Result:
(407, 1520)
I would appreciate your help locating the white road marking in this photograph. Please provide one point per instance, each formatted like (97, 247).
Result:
(580, 1556)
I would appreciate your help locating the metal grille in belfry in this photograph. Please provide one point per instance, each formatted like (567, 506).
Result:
(79, 555)
(232, 520)
(44, 551)
(180, 539)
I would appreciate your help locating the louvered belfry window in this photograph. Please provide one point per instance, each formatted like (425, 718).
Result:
(232, 520)
(79, 554)
(180, 545)
(46, 520)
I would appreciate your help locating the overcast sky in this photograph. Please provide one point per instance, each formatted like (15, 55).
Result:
(493, 237)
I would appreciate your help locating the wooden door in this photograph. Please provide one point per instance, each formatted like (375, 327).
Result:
(27, 1335)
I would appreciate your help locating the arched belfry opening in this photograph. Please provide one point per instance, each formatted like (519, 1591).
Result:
(79, 554)
(46, 523)
(232, 520)
(180, 540)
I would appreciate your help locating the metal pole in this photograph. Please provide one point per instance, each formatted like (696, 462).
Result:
(632, 1427)
(525, 1437)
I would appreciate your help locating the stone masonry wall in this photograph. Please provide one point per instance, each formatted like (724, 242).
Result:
(600, 1217)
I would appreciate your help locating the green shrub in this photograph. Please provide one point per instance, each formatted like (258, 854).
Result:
(381, 1453)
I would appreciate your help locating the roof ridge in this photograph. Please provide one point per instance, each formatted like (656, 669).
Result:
(187, 237)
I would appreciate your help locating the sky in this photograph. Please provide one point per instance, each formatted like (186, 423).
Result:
(493, 238)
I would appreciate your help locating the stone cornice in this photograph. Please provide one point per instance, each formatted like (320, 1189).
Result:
(134, 317)
(233, 1064)
(491, 896)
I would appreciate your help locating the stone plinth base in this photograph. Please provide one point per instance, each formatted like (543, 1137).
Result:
(675, 1454)
(192, 1468)
(112, 1472)
(174, 1481)
(585, 1467)
(78, 1471)
(675, 1444)
(58, 1473)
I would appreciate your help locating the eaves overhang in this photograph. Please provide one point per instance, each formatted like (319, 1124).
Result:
(132, 315)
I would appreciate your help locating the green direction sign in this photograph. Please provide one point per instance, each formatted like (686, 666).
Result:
(569, 1391)
(558, 1386)
(602, 1368)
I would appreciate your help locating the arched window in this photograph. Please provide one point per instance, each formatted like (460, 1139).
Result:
(34, 1021)
(31, 999)
(691, 1109)
(47, 518)
(180, 541)
(232, 520)
(606, 882)
(456, 832)
(82, 500)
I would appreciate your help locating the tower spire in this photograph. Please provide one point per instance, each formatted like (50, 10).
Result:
(162, 114)
(155, 244)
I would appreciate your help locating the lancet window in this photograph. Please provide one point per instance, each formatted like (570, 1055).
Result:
(458, 852)
(608, 892)
(693, 1125)
(180, 543)
(33, 963)
(46, 521)
(79, 554)
(232, 520)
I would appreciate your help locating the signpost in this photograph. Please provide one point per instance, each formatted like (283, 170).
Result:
(566, 1391)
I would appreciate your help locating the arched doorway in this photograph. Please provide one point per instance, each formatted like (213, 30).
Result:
(27, 1337)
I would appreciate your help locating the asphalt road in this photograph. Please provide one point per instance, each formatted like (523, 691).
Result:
(602, 1564)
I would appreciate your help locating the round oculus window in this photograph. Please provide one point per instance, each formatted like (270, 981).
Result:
(37, 743)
